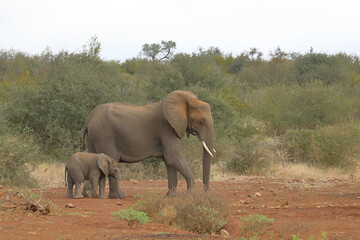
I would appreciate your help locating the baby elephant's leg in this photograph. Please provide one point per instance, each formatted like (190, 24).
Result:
(95, 184)
(102, 186)
(88, 190)
(77, 190)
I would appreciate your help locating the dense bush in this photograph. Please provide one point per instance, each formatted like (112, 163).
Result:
(18, 154)
(131, 216)
(250, 157)
(56, 105)
(255, 226)
(317, 67)
(200, 69)
(286, 107)
(327, 146)
(306, 100)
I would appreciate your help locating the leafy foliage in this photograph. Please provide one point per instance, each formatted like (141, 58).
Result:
(18, 154)
(55, 106)
(306, 100)
(255, 226)
(326, 146)
(317, 67)
(153, 50)
(323, 236)
(249, 158)
(286, 107)
(132, 216)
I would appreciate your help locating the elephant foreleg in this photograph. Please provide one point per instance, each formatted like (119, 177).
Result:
(178, 163)
(172, 178)
(115, 191)
(102, 186)
(95, 184)
(185, 171)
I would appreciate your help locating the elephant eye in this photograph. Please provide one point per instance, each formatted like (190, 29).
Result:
(202, 121)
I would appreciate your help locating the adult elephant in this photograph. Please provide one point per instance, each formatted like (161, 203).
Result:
(130, 133)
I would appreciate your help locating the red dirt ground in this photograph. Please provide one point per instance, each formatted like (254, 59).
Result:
(303, 207)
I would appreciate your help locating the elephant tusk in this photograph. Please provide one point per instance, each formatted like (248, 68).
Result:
(214, 150)
(206, 148)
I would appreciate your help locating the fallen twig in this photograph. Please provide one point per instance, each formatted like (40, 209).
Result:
(28, 203)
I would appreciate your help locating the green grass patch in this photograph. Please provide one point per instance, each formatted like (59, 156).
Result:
(255, 226)
(132, 216)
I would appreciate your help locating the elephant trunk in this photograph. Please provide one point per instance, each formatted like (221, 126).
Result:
(208, 144)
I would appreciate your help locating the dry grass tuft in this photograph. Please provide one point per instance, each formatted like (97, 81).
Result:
(291, 170)
(49, 174)
(195, 211)
(287, 171)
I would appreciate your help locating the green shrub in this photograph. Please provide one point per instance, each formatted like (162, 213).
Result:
(237, 64)
(132, 216)
(194, 211)
(200, 69)
(246, 126)
(312, 237)
(255, 226)
(328, 146)
(49, 96)
(56, 105)
(257, 72)
(160, 79)
(223, 113)
(318, 67)
(18, 154)
(207, 219)
(287, 107)
(250, 157)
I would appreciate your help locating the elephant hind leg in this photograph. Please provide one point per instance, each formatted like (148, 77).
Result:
(77, 190)
(88, 190)
(69, 193)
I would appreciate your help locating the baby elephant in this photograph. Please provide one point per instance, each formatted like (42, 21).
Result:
(93, 167)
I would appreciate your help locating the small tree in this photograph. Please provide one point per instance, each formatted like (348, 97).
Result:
(156, 51)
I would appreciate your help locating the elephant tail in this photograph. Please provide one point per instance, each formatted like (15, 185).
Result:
(65, 177)
(83, 145)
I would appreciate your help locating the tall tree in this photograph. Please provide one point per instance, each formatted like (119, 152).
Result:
(159, 51)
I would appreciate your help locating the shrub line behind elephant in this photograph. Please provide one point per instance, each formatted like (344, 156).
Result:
(93, 167)
(130, 133)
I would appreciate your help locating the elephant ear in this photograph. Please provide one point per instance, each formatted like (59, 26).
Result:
(103, 164)
(175, 109)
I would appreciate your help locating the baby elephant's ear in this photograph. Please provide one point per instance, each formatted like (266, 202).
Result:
(103, 164)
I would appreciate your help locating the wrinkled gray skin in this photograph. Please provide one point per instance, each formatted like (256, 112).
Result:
(93, 167)
(129, 133)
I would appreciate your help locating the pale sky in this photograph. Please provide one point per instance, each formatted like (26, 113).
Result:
(122, 27)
